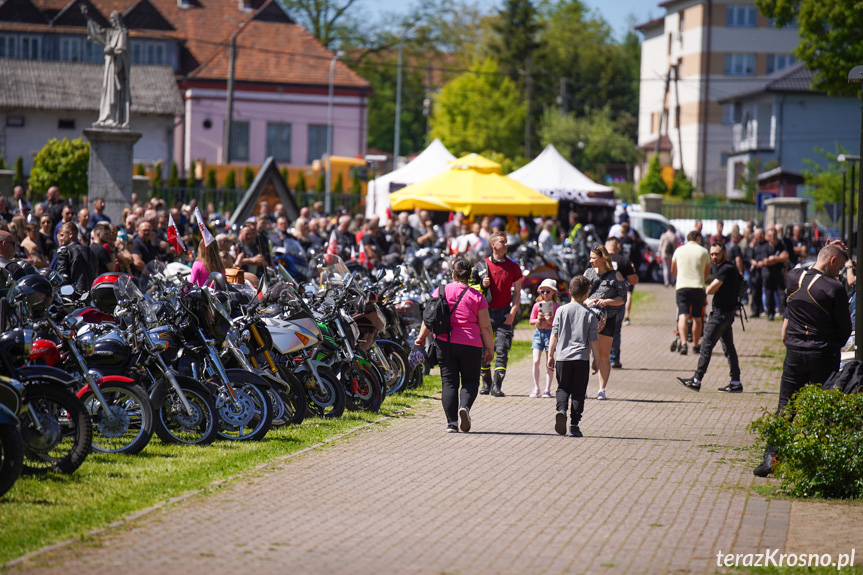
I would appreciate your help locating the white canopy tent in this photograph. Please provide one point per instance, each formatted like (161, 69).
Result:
(550, 174)
(435, 159)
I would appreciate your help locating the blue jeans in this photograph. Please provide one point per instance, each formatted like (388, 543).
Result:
(615, 341)
(541, 337)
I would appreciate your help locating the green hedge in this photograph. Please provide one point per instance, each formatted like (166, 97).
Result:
(818, 451)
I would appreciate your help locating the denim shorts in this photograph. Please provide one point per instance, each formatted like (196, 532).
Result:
(541, 337)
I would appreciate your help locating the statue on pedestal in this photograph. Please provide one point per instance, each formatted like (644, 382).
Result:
(116, 101)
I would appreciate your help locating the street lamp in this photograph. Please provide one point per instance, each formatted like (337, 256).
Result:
(856, 76)
(328, 196)
(398, 129)
(842, 212)
(853, 160)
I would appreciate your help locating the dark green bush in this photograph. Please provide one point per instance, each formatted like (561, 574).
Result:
(301, 182)
(231, 179)
(818, 451)
(210, 180)
(174, 176)
(248, 177)
(62, 163)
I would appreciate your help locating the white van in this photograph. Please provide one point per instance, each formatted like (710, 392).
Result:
(650, 226)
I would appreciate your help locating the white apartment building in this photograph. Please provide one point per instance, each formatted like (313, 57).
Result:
(718, 49)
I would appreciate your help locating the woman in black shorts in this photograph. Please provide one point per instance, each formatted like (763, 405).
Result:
(608, 292)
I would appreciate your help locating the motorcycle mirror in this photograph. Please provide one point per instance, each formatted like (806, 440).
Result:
(67, 290)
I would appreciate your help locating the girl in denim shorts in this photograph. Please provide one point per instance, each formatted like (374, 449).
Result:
(542, 316)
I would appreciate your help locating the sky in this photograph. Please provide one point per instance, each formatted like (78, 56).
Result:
(615, 12)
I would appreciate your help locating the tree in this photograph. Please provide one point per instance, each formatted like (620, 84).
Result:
(18, 178)
(231, 179)
(589, 142)
(356, 183)
(518, 36)
(140, 170)
(174, 176)
(825, 183)
(62, 163)
(210, 180)
(748, 181)
(191, 182)
(831, 41)
(479, 110)
(682, 186)
(248, 177)
(301, 183)
(652, 182)
(321, 184)
(3, 164)
(338, 185)
(321, 17)
(157, 174)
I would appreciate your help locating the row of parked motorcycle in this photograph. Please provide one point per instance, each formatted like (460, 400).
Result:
(157, 355)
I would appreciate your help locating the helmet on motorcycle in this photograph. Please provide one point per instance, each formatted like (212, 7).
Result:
(102, 291)
(34, 291)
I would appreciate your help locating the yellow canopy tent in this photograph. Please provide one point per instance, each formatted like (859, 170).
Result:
(474, 186)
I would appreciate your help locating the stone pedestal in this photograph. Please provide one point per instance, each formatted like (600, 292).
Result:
(6, 187)
(110, 173)
(784, 211)
(651, 203)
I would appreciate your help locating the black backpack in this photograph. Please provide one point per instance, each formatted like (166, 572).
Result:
(849, 378)
(437, 315)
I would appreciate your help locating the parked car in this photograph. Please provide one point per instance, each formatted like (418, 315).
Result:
(650, 226)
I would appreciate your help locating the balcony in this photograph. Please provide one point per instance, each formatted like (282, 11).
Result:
(747, 137)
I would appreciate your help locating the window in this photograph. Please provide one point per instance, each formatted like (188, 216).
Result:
(65, 124)
(739, 64)
(70, 49)
(776, 62)
(742, 17)
(279, 141)
(317, 142)
(93, 52)
(26, 47)
(728, 115)
(239, 141)
(15, 121)
(148, 53)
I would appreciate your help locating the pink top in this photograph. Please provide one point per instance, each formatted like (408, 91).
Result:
(465, 318)
(200, 275)
(534, 316)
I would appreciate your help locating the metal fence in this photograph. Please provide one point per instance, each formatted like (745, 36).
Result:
(710, 211)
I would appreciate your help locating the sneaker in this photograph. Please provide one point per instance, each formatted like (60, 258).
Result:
(560, 423)
(534, 393)
(546, 394)
(732, 387)
(674, 344)
(770, 317)
(451, 428)
(464, 419)
(575, 432)
(601, 394)
(690, 383)
(696, 349)
(617, 365)
(683, 349)
(766, 467)
(626, 321)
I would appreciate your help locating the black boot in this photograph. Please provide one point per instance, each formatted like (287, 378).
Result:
(766, 467)
(498, 383)
(486, 382)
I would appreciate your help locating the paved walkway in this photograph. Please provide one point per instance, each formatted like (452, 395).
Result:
(660, 484)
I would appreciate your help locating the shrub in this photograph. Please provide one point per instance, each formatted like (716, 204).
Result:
(301, 183)
(191, 182)
(174, 176)
(231, 179)
(321, 184)
(3, 164)
(652, 182)
(61, 163)
(818, 451)
(338, 186)
(356, 185)
(248, 177)
(18, 178)
(681, 187)
(157, 175)
(211, 179)
(140, 170)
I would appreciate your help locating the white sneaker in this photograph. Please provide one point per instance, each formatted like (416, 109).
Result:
(600, 394)
(464, 419)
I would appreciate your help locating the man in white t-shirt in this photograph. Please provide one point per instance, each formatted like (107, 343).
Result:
(690, 264)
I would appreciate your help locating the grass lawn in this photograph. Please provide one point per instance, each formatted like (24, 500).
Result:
(42, 510)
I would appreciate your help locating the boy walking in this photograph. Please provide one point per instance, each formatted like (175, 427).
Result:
(576, 328)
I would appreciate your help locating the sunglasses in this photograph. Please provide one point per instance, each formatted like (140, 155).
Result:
(545, 291)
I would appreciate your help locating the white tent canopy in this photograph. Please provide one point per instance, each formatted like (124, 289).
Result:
(429, 163)
(550, 174)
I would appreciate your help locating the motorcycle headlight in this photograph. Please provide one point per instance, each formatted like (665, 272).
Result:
(86, 343)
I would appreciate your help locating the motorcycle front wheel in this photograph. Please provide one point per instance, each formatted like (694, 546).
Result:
(293, 397)
(173, 424)
(250, 418)
(399, 365)
(329, 402)
(64, 436)
(11, 457)
(132, 426)
(363, 388)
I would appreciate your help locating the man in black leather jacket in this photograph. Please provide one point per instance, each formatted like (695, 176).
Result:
(75, 262)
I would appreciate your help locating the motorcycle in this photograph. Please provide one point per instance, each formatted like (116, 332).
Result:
(11, 444)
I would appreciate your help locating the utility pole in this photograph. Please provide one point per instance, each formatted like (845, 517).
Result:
(527, 114)
(663, 114)
(677, 115)
(232, 56)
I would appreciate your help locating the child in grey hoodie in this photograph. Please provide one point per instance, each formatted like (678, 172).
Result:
(575, 327)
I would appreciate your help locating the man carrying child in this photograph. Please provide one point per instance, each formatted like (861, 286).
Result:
(576, 327)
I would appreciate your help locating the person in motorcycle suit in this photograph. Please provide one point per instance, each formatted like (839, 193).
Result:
(75, 263)
(342, 242)
(499, 279)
